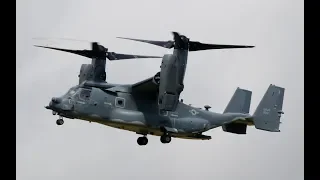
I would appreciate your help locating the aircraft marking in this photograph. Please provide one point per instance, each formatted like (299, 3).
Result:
(194, 112)
(266, 111)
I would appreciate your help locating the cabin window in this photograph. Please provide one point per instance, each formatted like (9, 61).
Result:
(85, 94)
(120, 102)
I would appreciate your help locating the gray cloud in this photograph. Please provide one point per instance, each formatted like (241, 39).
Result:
(79, 150)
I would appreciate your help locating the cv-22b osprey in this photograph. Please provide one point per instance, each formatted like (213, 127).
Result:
(135, 107)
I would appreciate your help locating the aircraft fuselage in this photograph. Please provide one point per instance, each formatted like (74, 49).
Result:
(124, 111)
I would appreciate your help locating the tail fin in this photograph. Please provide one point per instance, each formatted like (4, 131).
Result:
(239, 103)
(268, 113)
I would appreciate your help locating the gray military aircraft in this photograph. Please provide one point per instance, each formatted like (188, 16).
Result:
(135, 107)
(173, 66)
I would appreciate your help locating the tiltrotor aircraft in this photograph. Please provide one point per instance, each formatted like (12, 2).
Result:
(138, 108)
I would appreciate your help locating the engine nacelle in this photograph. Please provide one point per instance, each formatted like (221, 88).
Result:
(94, 71)
(170, 87)
(86, 72)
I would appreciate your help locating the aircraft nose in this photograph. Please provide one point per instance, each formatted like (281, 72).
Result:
(49, 106)
(55, 100)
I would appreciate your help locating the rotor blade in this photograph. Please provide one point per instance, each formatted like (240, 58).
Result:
(165, 44)
(197, 46)
(115, 56)
(85, 53)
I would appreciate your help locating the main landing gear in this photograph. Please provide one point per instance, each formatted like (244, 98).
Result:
(165, 139)
(142, 141)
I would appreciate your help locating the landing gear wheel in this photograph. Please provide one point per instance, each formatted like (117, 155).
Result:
(156, 78)
(142, 141)
(165, 139)
(60, 122)
(54, 113)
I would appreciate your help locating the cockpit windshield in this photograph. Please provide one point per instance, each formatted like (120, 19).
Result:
(72, 91)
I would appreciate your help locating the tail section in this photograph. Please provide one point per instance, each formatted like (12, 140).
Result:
(268, 113)
(239, 103)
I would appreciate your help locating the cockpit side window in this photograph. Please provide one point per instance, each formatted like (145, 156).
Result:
(84, 94)
(71, 92)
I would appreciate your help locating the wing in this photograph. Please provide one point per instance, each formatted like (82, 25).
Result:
(146, 88)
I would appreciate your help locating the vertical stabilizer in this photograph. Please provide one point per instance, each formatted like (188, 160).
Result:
(268, 113)
(239, 103)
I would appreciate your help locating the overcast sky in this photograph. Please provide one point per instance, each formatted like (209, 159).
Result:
(79, 150)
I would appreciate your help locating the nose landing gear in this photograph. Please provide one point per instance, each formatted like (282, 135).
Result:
(59, 121)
